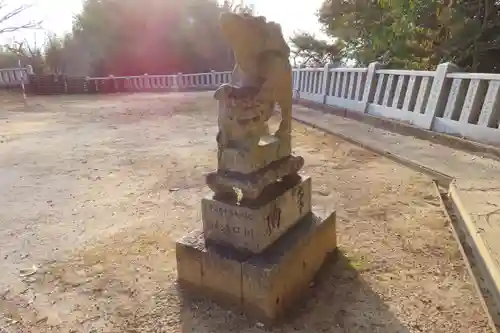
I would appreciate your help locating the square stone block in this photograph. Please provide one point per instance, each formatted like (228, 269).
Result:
(263, 285)
(269, 149)
(273, 281)
(189, 251)
(213, 270)
(255, 226)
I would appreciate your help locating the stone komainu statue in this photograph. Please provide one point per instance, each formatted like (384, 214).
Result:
(258, 226)
(249, 158)
(262, 69)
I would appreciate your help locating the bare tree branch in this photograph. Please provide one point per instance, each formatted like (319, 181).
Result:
(5, 17)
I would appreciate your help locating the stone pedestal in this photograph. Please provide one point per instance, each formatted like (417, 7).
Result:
(253, 184)
(253, 226)
(257, 256)
(261, 244)
(269, 149)
(262, 285)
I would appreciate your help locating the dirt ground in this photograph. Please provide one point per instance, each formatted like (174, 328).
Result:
(94, 191)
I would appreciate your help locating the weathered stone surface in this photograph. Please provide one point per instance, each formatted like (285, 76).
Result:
(252, 185)
(262, 77)
(188, 251)
(221, 274)
(254, 225)
(262, 60)
(250, 159)
(274, 280)
(242, 119)
(263, 285)
(259, 251)
(213, 270)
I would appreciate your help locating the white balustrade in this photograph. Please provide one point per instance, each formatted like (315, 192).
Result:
(14, 76)
(345, 87)
(445, 100)
(401, 95)
(472, 108)
(309, 82)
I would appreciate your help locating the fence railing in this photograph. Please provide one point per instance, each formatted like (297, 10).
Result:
(14, 77)
(445, 100)
(57, 84)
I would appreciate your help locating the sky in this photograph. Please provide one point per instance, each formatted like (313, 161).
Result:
(57, 16)
(291, 17)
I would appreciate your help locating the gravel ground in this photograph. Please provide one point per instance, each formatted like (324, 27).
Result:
(94, 192)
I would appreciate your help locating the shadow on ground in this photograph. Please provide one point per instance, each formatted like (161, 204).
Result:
(339, 301)
(102, 187)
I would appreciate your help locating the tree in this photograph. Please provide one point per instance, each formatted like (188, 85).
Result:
(476, 45)
(313, 52)
(128, 37)
(417, 34)
(11, 54)
(22, 51)
(8, 59)
(54, 52)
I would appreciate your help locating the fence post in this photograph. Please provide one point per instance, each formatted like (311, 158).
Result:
(24, 75)
(86, 85)
(295, 83)
(112, 79)
(300, 79)
(177, 82)
(326, 81)
(127, 84)
(214, 79)
(439, 93)
(371, 84)
(65, 78)
(147, 82)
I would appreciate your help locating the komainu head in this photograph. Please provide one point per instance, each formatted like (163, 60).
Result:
(250, 36)
(275, 41)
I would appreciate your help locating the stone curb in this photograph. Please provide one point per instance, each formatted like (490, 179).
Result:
(402, 128)
(488, 270)
(490, 275)
(455, 218)
(441, 178)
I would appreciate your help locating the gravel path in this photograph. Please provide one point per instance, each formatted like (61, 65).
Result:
(95, 190)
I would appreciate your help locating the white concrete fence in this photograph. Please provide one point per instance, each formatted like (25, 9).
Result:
(170, 82)
(445, 100)
(14, 77)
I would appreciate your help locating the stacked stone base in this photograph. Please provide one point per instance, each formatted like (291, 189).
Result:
(262, 285)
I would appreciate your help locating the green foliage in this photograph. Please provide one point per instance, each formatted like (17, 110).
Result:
(8, 59)
(313, 52)
(415, 34)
